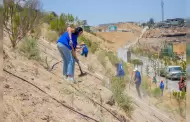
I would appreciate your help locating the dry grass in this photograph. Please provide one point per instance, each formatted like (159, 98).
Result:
(30, 48)
(51, 36)
(124, 101)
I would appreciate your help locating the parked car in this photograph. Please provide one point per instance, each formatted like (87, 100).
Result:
(173, 72)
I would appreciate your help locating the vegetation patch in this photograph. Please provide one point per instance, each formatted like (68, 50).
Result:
(30, 48)
(51, 36)
(93, 46)
(124, 101)
(156, 92)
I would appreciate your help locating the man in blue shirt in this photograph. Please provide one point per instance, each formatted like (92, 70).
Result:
(137, 80)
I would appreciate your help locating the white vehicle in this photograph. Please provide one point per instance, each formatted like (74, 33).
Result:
(173, 72)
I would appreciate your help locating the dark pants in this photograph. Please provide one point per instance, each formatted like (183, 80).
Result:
(162, 91)
(138, 89)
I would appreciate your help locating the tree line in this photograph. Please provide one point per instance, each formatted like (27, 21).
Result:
(22, 16)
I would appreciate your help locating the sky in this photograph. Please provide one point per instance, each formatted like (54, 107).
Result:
(110, 11)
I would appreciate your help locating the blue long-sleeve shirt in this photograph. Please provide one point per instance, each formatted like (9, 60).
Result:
(64, 39)
(138, 76)
(161, 85)
(120, 71)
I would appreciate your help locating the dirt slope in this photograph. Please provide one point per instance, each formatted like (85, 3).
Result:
(43, 96)
(114, 40)
(24, 102)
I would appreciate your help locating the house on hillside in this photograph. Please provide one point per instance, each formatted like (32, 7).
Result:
(176, 21)
(112, 28)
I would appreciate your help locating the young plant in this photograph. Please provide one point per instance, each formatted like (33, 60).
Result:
(30, 48)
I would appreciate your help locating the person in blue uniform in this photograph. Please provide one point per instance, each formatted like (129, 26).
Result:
(120, 70)
(66, 45)
(84, 49)
(137, 80)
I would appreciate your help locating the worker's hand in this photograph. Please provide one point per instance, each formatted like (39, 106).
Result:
(77, 60)
(71, 42)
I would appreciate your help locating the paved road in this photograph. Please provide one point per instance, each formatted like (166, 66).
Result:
(172, 85)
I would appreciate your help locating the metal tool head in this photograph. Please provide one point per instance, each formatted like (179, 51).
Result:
(83, 74)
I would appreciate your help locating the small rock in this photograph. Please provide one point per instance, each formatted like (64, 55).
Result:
(32, 78)
(7, 86)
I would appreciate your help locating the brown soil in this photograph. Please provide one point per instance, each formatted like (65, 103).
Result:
(115, 40)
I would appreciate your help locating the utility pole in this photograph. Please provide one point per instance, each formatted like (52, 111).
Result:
(162, 7)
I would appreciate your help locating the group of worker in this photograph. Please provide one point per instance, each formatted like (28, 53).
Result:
(181, 84)
(67, 45)
(137, 76)
(137, 80)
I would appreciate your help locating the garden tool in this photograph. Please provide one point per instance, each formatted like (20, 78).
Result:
(81, 72)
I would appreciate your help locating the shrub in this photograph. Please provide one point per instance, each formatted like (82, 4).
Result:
(125, 67)
(36, 32)
(93, 46)
(51, 36)
(145, 85)
(112, 57)
(136, 62)
(101, 58)
(85, 40)
(179, 95)
(30, 48)
(123, 100)
(156, 92)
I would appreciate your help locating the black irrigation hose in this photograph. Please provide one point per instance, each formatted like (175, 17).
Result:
(95, 101)
(72, 109)
(87, 96)
(54, 65)
(98, 104)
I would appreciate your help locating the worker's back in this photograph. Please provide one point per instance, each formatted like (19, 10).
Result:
(120, 71)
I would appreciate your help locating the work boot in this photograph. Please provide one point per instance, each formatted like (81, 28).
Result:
(71, 80)
(64, 77)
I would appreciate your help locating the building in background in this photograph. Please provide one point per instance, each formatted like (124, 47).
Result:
(176, 21)
(112, 28)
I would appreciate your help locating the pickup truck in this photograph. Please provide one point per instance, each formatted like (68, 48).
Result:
(172, 72)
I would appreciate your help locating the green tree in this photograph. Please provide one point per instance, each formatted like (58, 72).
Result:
(183, 65)
(19, 21)
(70, 18)
(58, 24)
(78, 22)
(136, 62)
(150, 23)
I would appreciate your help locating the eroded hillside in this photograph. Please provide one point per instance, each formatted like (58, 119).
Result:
(32, 93)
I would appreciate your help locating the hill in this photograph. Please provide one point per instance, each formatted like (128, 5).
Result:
(114, 40)
(33, 93)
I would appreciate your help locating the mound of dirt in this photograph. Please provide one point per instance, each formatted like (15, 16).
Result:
(115, 40)
(160, 32)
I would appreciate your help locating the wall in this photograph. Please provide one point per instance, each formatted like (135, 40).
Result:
(179, 48)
